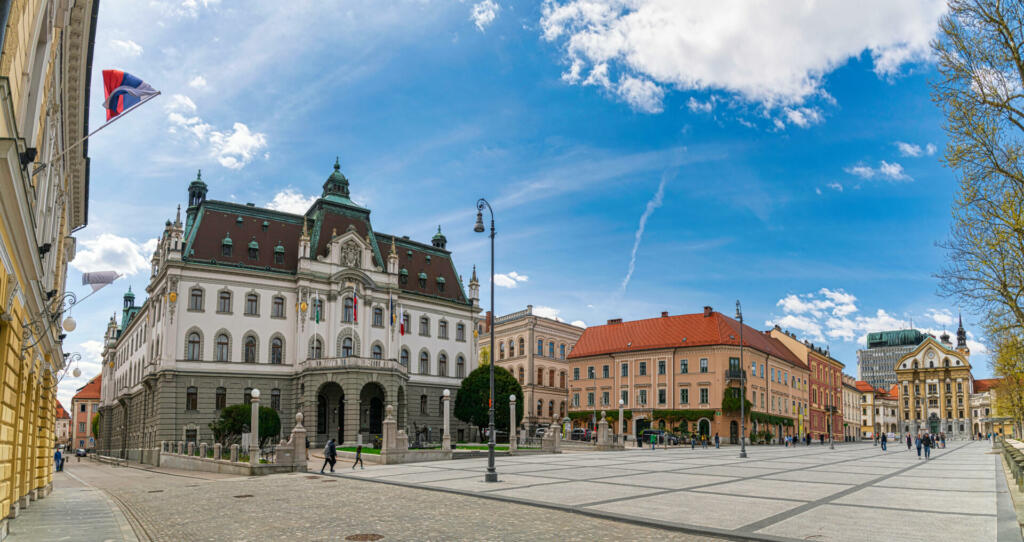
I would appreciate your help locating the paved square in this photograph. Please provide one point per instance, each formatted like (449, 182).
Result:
(778, 493)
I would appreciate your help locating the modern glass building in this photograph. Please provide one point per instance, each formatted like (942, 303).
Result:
(876, 364)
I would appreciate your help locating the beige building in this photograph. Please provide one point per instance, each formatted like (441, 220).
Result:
(534, 349)
(62, 426)
(851, 409)
(878, 414)
(935, 383)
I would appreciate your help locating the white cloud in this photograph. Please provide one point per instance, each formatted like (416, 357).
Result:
(197, 82)
(110, 252)
(913, 150)
(804, 117)
(641, 93)
(127, 47)
(547, 312)
(930, 149)
(653, 204)
(817, 191)
(232, 148)
(484, 13)
(885, 170)
(579, 323)
(700, 107)
(943, 317)
(290, 200)
(835, 186)
(509, 280)
(772, 54)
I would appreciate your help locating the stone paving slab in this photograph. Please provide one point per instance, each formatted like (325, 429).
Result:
(775, 494)
(73, 511)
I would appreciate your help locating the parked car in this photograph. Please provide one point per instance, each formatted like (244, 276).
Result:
(540, 432)
(579, 434)
(499, 435)
(80, 452)
(662, 437)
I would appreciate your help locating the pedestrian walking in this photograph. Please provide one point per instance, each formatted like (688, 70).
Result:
(927, 443)
(359, 457)
(703, 441)
(654, 440)
(307, 448)
(58, 461)
(330, 455)
(693, 442)
(883, 441)
(919, 442)
(943, 437)
(716, 440)
(908, 442)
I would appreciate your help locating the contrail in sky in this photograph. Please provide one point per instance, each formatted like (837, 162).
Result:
(653, 204)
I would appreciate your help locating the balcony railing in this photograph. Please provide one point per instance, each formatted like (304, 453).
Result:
(734, 374)
(353, 362)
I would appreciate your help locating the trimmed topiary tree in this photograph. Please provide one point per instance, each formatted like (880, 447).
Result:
(471, 401)
(234, 420)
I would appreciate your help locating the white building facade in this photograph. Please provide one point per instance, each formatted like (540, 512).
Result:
(318, 311)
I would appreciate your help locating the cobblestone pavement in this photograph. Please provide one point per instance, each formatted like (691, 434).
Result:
(315, 507)
(855, 492)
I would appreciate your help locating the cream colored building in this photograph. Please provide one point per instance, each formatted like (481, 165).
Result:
(935, 384)
(878, 414)
(45, 67)
(534, 349)
(851, 409)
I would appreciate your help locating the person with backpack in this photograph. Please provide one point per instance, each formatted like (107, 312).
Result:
(883, 441)
(926, 441)
(330, 455)
(359, 457)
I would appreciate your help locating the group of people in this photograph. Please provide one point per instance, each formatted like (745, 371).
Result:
(331, 456)
(923, 441)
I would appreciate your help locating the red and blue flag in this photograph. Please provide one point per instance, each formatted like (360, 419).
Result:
(123, 91)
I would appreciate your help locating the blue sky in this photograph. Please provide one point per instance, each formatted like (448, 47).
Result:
(787, 157)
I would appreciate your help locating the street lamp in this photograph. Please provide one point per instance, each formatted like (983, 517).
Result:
(491, 475)
(743, 380)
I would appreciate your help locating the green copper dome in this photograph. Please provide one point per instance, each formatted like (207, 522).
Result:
(336, 186)
(227, 240)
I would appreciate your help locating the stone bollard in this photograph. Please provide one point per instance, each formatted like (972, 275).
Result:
(512, 437)
(254, 429)
(181, 447)
(446, 438)
(202, 450)
(217, 452)
(234, 453)
(191, 448)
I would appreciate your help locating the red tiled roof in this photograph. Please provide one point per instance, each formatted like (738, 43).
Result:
(864, 387)
(893, 393)
(90, 391)
(677, 332)
(61, 413)
(984, 384)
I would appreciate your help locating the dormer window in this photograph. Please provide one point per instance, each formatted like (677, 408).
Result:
(254, 250)
(423, 280)
(239, 220)
(279, 254)
(225, 246)
(440, 284)
(403, 276)
(428, 258)
(265, 225)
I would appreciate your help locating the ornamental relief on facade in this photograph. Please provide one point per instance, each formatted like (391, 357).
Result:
(351, 254)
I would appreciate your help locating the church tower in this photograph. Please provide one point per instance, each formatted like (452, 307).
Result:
(961, 338)
(474, 289)
(196, 196)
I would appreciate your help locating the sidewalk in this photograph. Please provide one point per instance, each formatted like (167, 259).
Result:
(72, 509)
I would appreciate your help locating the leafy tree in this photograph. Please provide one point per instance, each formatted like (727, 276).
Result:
(472, 399)
(96, 426)
(980, 54)
(1008, 363)
(485, 356)
(234, 420)
(731, 401)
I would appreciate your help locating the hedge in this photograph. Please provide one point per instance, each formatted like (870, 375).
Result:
(677, 415)
(770, 419)
(612, 415)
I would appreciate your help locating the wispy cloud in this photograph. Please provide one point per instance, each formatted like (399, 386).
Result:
(290, 200)
(233, 148)
(484, 13)
(653, 204)
(913, 150)
(127, 47)
(889, 171)
(509, 280)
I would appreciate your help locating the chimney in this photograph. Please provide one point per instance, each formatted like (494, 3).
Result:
(664, 314)
(707, 310)
(615, 321)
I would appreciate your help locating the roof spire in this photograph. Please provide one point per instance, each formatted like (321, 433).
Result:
(336, 186)
(177, 217)
(961, 334)
(394, 252)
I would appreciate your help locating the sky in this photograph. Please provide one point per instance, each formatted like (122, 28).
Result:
(640, 155)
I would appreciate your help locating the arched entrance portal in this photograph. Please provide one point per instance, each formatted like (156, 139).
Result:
(371, 409)
(705, 427)
(933, 423)
(330, 413)
(734, 432)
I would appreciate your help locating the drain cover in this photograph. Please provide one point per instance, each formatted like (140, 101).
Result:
(330, 480)
(156, 491)
(242, 496)
(364, 536)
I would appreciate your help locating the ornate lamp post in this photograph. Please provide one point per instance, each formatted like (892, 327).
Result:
(743, 394)
(491, 475)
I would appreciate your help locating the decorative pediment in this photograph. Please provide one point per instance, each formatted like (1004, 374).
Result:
(931, 354)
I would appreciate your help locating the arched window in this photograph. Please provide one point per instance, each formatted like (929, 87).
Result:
(277, 307)
(250, 349)
(561, 380)
(318, 310)
(551, 408)
(275, 399)
(195, 299)
(522, 345)
(222, 350)
(521, 375)
(540, 407)
(511, 349)
(551, 349)
(424, 326)
(551, 378)
(561, 409)
(501, 350)
(404, 357)
(224, 302)
(460, 331)
(349, 310)
(424, 363)
(442, 329)
(442, 365)
(540, 377)
(247, 396)
(191, 398)
(221, 398)
(346, 347)
(276, 350)
(561, 351)
(460, 366)
(193, 352)
(316, 349)
(377, 352)
(252, 304)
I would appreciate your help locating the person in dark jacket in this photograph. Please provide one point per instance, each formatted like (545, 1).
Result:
(330, 455)
(908, 442)
(883, 441)
(926, 441)
(359, 457)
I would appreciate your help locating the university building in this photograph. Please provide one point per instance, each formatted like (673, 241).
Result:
(533, 349)
(45, 69)
(319, 311)
(677, 371)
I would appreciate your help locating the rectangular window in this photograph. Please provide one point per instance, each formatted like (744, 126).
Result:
(661, 367)
(224, 302)
(378, 317)
(575, 374)
(81, 427)
(277, 308)
(590, 373)
(684, 396)
(661, 396)
(605, 371)
(540, 347)
(252, 305)
(684, 366)
(576, 399)
(703, 396)
(604, 398)
(625, 370)
(703, 365)
(772, 374)
(590, 398)
(82, 407)
(624, 397)
(643, 397)
(753, 368)
(643, 368)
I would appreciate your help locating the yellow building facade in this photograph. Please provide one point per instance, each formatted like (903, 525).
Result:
(45, 65)
(935, 385)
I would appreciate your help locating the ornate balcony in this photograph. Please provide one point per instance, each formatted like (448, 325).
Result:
(353, 362)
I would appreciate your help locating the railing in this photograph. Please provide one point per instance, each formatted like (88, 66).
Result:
(514, 316)
(352, 362)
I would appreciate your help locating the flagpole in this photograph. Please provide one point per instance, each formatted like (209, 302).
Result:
(92, 133)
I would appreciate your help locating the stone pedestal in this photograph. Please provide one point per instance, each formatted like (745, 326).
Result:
(551, 442)
(217, 451)
(202, 450)
(191, 448)
(254, 433)
(234, 453)
(512, 436)
(446, 438)
(602, 430)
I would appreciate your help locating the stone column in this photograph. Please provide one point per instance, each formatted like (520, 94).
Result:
(512, 433)
(254, 426)
(618, 430)
(446, 439)
(602, 430)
